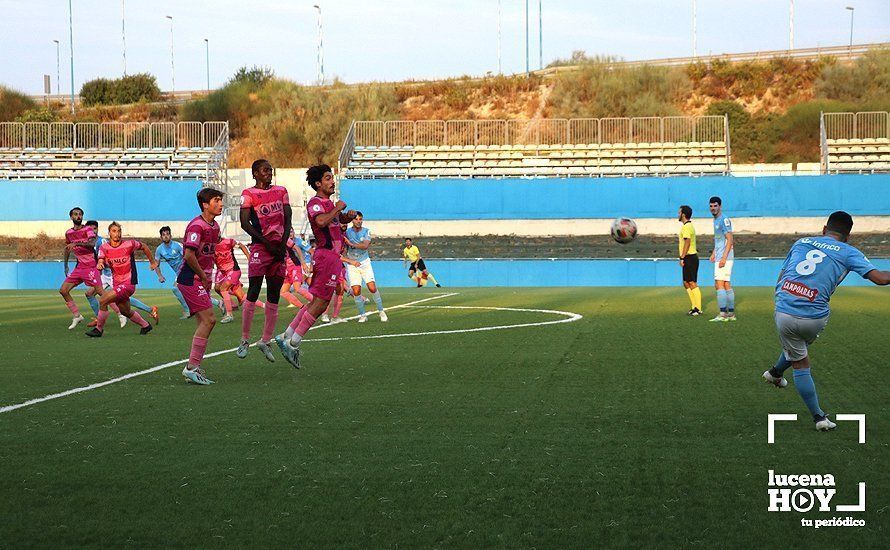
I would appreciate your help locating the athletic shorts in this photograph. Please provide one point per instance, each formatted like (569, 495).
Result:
(294, 275)
(690, 268)
(122, 292)
(88, 275)
(231, 277)
(326, 273)
(363, 272)
(417, 266)
(262, 263)
(196, 296)
(723, 273)
(797, 333)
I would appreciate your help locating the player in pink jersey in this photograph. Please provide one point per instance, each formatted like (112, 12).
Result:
(265, 213)
(228, 274)
(120, 256)
(81, 239)
(201, 240)
(325, 218)
(295, 273)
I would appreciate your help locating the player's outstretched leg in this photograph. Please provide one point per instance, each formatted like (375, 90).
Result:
(248, 307)
(432, 278)
(131, 314)
(192, 371)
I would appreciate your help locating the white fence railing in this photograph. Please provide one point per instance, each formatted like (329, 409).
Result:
(111, 135)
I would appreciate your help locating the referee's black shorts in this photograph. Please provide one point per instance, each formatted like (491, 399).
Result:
(417, 266)
(690, 268)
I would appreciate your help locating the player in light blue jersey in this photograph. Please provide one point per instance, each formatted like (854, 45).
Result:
(723, 257)
(359, 242)
(173, 253)
(814, 268)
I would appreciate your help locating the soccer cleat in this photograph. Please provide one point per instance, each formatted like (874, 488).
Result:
(731, 318)
(823, 424)
(419, 285)
(289, 306)
(694, 312)
(363, 319)
(204, 374)
(226, 319)
(145, 330)
(290, 353)
(383, 316)
(325, 318)
(195, 376)
(184, 316)
(438, 285)
(779, 382)
(267, 351)
(94, 333)
(719, 319)
(154, 314)
(337, 320)
(123, 320)
(75, 321)
(242, 349)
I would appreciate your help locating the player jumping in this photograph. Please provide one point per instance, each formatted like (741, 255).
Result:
(81, 239)
(325, 218)
(723, 255)
(412, 254)
(358, 239)
(228, 275)
(814, 268)
(265, 213)
(120, 256)
(201, 237)
(173, 253)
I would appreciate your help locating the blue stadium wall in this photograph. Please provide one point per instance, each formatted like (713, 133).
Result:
(468, 273)
(588, 198)
(131, 200)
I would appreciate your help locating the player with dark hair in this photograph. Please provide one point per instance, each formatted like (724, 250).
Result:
(193, 280)
(105, 277)
(723, 257)
(358, 240)
(81, 239)
(325, 218)
(296, 265)
(265, 215)
(173, 253)
(689, 259)
(812, 271)
(120, 255)
(411, 256)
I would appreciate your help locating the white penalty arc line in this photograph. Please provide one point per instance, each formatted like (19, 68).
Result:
(66, 393)
(569, 318)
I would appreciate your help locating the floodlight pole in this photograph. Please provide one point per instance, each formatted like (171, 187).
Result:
(124, 33)
(791, 27)
(851, 29)
(320, 58)
(58, 70)
(499, 37)
(71, 47)
(526, 38)
(207, 58)
(540, 38)
(172, 64)
(694, 30)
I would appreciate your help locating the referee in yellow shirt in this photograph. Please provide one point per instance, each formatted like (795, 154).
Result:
(412, 254)
(689, 259)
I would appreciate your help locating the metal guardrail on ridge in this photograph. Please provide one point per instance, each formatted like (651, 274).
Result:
(111, 135)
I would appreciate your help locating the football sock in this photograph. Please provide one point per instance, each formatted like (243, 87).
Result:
(431, 278)
(181, 299)
(304, 292)
(199, 345)
(691, 298)
(227, 300)
(730, 300)
(306, 323)
(803, 381)
(378, 299)
(270, 320)
(721, 300)
(782, 364)
(136, 318)
(100, 319)
(286, 294)
(73, 307)
(215, 302)
(360, 304)
(696, 296)
(114, 308)
(246, 319)
(338, 303)
(292, 327)
(94, 304)
(139, 304)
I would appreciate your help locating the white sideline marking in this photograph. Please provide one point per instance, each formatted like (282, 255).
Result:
(771, 420)
(9, 408)
(570, 317)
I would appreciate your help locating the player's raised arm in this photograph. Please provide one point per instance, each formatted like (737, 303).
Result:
(879, 277)
(155, 266)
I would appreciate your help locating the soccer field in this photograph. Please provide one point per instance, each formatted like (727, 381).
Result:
(608, 419)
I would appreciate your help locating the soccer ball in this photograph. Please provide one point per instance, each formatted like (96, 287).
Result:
(624, 230)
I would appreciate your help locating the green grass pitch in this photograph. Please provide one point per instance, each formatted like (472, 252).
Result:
(633, 426)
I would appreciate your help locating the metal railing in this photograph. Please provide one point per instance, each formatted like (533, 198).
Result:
(864, 125)
(347, 149)
(71, 136)
(837, 131)
(589, 131)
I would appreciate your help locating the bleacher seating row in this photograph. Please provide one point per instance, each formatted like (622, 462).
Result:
(91, 164)
(698, 158)
(857, 155)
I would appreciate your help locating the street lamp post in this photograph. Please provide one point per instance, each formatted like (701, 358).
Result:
(540, 38)
(852, 9)
(124, 33)
(791, 27)
(694, 30)
(319, 61)
(526, 38)
(71, 47)
(207, 58)
(172, 65)
(58, 70)
(499, 37)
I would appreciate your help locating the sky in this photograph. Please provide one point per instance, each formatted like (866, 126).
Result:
(387, 40)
